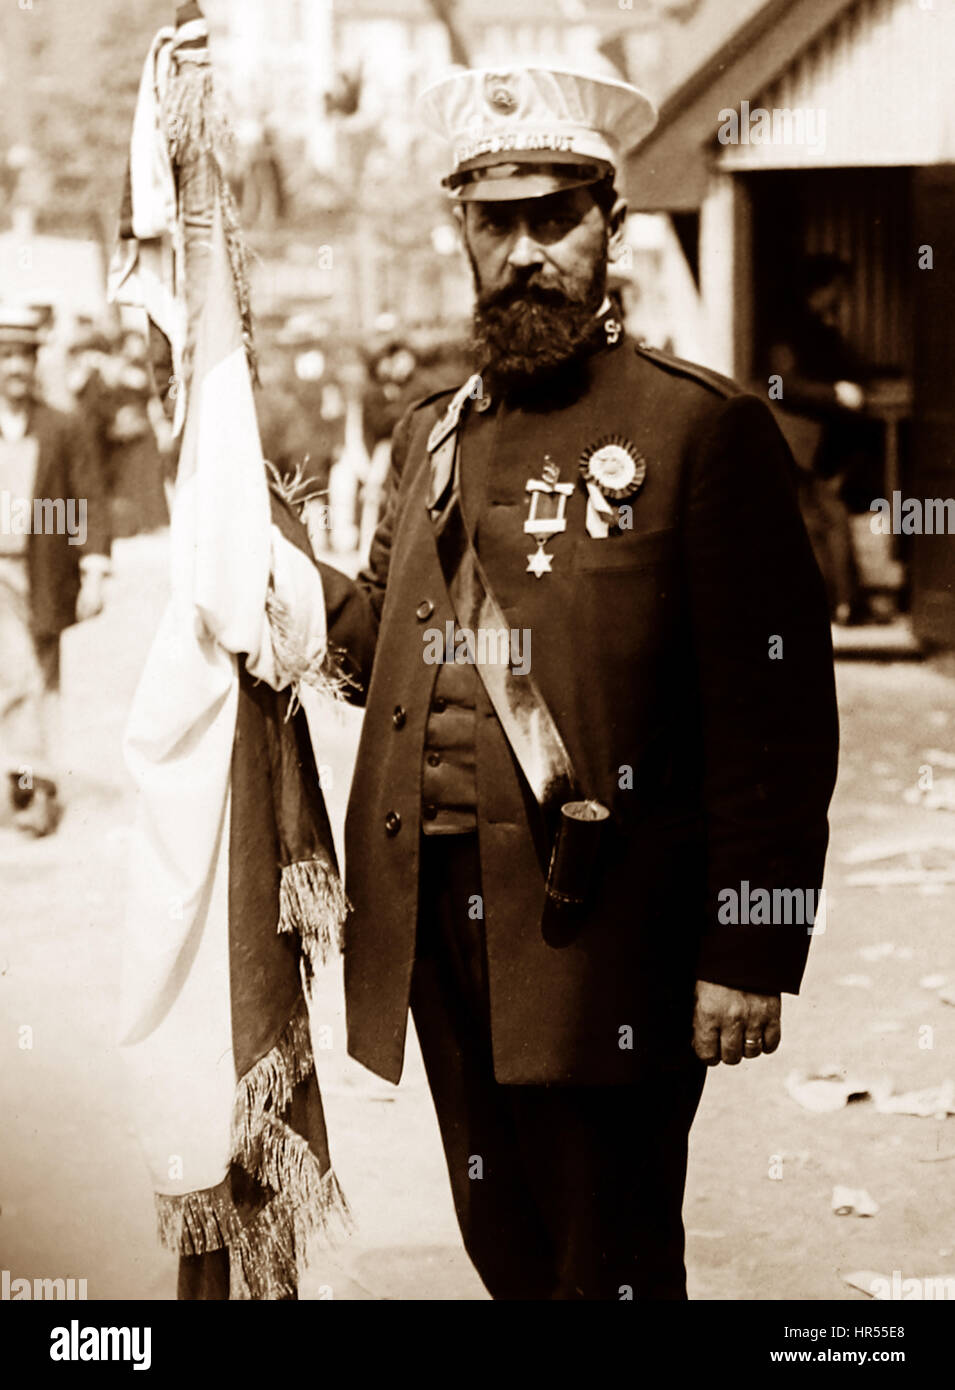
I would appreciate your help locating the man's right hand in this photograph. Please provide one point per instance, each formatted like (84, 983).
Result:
(731, 1024)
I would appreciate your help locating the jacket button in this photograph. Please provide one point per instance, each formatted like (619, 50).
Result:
(429, 810)
(424, 610)
(398, 718)
(392, 823)
(434, 759)
(439, 704)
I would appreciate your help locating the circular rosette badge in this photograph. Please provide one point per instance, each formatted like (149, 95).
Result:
(615, 466)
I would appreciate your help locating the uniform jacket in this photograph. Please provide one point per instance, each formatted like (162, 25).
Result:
(652, 649)
(68, 467)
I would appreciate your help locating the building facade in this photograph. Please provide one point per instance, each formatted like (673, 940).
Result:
(829, 127)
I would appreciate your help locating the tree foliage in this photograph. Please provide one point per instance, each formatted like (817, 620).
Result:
(70, 76)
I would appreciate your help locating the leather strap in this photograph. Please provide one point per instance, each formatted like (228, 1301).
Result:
(442, 443)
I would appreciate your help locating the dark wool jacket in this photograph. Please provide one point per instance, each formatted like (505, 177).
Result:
(657, 653)
(69, 466)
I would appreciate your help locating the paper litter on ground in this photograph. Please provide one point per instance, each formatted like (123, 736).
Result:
(853, 1201)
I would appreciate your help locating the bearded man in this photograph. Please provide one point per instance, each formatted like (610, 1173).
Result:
(539, 849)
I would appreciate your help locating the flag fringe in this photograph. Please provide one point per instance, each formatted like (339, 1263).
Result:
(307, 1202)
(193, 118)
(238, 253)
(288, 1165)
(294, 666)
(197, 127)
(267, 1255)
(295, 488)
(198, 1222)
(312, 902)
(269, 1083)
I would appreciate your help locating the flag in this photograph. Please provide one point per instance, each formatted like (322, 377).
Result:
(233, 883)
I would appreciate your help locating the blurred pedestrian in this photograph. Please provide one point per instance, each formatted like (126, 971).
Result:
(89, 379)
(54, 548)
(822, 376)
(392, 386)
(138, 502)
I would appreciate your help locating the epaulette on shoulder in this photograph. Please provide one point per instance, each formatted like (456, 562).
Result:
(422, 401)
(410, 418)
(721, 385)
(447, 422)
(411, 415)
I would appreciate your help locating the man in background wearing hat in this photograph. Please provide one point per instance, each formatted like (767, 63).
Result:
(629, 521)
(54, 549)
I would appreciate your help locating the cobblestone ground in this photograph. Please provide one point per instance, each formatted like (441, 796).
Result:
(74, 1199)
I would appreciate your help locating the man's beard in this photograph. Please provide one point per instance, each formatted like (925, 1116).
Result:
(527, 330)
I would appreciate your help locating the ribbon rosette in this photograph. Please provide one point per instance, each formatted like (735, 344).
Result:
(612, 469)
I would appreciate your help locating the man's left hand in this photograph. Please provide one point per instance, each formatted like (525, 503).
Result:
(729, 1024)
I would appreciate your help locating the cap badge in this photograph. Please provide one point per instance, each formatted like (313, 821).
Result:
(499, 96)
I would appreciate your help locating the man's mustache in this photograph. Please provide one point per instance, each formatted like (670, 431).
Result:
(526, 292)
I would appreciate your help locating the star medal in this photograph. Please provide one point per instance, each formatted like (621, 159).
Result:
(612, 469)
(548, 502)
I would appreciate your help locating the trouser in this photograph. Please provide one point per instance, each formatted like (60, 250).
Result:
(29, 688)
(838, 539)
(827, 521)
(561, 1192)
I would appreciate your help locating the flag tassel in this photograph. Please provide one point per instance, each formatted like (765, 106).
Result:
(307, 1201)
